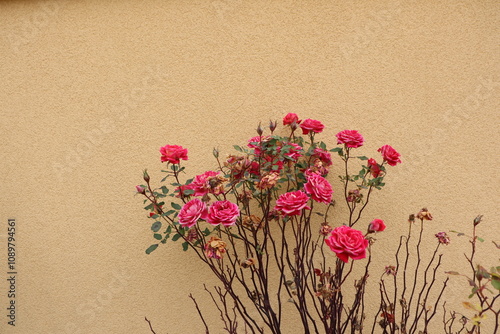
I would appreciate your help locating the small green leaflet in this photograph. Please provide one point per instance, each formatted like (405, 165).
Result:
(151, 248)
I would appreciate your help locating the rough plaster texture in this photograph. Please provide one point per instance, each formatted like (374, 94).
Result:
(91, 89)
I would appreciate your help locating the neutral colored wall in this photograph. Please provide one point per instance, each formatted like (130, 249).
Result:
(91, 89)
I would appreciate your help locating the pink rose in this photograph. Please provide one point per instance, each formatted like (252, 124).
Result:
(291, 118)
(319, 188)
(351, 138)
(191, 212)
(374, 167)
(323, 155)
(377, 225)
(258, 143)
(347, 243)
(294, 152)
(291, 203)
(311, 125)
(200, 184)
(173, 153)
(390, 155)
(223, 212)
(140, 189)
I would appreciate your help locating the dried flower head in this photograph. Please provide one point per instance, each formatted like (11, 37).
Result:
(354, 196)
(325, 229)
(252, 221)
(443, 238)
(247, 263)
(268, 181)
(411, 218)
(390, 270)
(215, 248)
(191, 235)
(424, 214)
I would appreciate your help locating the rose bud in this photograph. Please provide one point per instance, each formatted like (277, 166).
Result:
(273, 125)
(377, 225)
(259, 130)
(146, 176)
(140, 189)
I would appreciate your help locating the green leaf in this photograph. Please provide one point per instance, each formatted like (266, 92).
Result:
(237, 148)
(164, 190)
(206, 232)
(362, 158)
(157, 236)
(185, 246)
(176, 237)
(156, 226)
(495, 281)
(480, 239)
(176, 206)
(188, 192)
(151, 248)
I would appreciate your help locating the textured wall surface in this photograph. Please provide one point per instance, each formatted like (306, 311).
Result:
(91, 89)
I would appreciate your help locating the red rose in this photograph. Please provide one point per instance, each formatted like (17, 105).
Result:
(291, 118)
(201, 184)
(374, 167)
(173, 153)
(377, 225)
(319, 188)
(258, 143)
(294, 152)
(311, 125)
(291, 203)
(223, 212)
(191, 212)
(347, 243)
(351, 138)
(323, 155)
(390, 155)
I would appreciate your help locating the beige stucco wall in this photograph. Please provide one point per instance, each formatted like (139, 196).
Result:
(91, 89)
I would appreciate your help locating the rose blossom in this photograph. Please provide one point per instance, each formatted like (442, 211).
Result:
(258, 143)
(191, 212)
(291, 203)
(390, 155)
(291, 118)
(351, 138)
(140, 189)
(311, 125)
(200, 184)
(377, 225)
(374, 167)
(319, 188)
(323, 155)
(173, 153)
(215, 248)
(294, 152)
(347, 243)
(223, 212)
